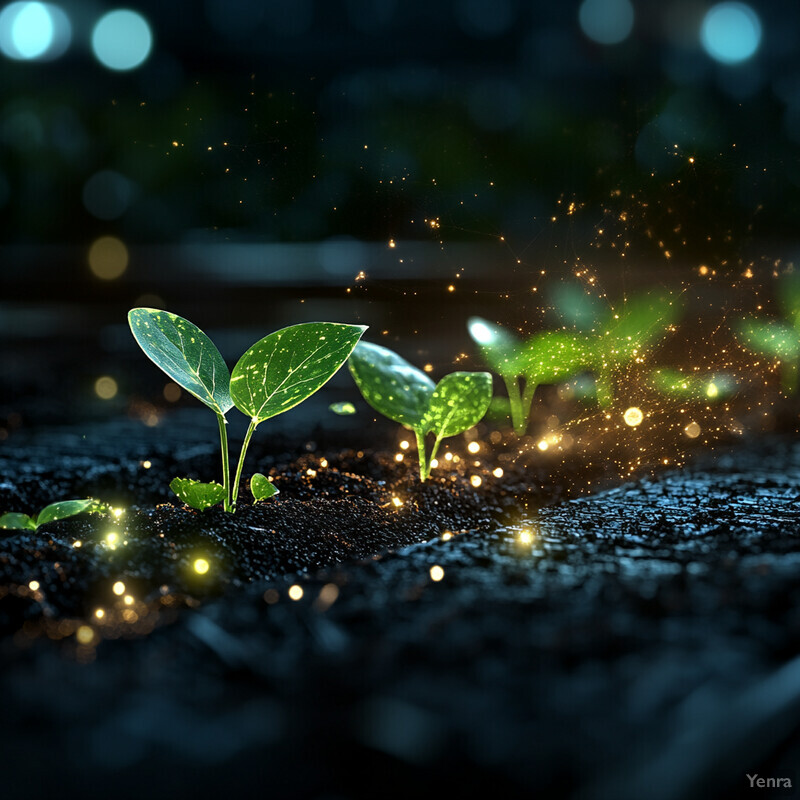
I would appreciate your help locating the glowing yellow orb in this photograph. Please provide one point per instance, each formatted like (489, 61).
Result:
(692, 430)
(436, 573)
(118, 588)
(84, 634)
(201, 566)
(108, 258)
(476, 480)
(473, 447)
(295, 592)
(633, 416)
(105, 387)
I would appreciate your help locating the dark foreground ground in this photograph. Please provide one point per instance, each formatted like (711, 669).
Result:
(643, 642)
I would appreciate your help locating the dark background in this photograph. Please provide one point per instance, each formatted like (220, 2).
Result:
(273, 162)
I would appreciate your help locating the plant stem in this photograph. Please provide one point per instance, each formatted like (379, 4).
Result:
(423, 460)
(527, 399)
(226, 468)
(245, 443)
(518, 420)
(605, 395)
(789, 373)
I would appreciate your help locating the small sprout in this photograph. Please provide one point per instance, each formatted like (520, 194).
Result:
(51, 513)
(274, 375)
(342, 409)
(197, 494)
(262, 487)
(619, 337)
(546, 357)
(407, 395)
(776, 340)
(692, 387)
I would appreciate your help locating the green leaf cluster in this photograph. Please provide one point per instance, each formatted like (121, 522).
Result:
(694, 388)
(544, 358)
(777, 339)
(274, 375)
(55, 511)
(604, 344)
(405, 394)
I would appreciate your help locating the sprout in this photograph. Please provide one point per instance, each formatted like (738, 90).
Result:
(776, 339)
(546, 357)
(619, 337)
(274, 375)
(51, 513)
(405, 394)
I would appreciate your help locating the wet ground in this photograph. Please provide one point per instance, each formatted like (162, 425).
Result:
(639, 642)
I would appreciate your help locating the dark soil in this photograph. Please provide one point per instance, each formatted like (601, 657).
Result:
(641, 642)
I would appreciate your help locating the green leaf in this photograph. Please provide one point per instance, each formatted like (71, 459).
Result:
(284, 368)
(197, 494)
(499, 347)
(770, 338)
(642, 321)
(459, 401)
(708, 387)
(185, 353)
(342, 409)
(552, 356)
(576, 307)
(65, 508)
(14, 521)
(391, 385)
(789, 298)
(262, 487)
(499, 409)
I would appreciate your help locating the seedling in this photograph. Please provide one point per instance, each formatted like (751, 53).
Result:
(274, 375)
(405, 394)
(617, 338)
(693, 387)
(546, 357)
(777, 339)
(61, 510)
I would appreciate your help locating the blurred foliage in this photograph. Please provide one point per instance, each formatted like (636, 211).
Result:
(358, 118)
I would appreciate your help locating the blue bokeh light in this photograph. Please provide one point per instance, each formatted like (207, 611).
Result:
(122, 40)
(606, 21)
(27, 30)
(731, 32)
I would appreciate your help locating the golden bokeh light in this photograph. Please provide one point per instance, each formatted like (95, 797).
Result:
(105, 387)
(108, 258)
(633, 416)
